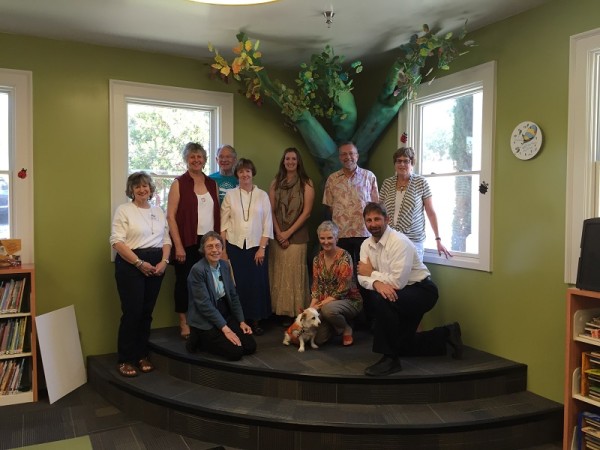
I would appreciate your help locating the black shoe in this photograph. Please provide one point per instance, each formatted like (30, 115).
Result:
(454, 340)
(385, 366)
(190, 347)
(256, 329)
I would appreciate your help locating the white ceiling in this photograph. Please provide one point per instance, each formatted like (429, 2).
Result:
(289, 30)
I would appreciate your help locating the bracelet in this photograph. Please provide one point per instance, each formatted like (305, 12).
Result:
(139, 263)
(264, 247)
(438, 238)
(165, 261)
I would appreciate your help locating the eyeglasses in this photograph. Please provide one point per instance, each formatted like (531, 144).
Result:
(403, 162)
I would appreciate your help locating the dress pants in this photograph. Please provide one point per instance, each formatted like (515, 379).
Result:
(138, 294)
(192, 256)
(395, 330)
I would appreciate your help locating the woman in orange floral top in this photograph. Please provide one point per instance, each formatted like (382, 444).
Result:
(334, 292)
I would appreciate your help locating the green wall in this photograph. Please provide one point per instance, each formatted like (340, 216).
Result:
(517, 311)
(72, 168)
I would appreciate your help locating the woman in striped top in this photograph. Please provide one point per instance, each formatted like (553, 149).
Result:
(407, 196)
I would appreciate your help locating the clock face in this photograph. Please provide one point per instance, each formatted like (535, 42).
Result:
(526, 140)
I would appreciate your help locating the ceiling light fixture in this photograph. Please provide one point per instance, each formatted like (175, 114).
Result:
(329, 16)
(234, 2)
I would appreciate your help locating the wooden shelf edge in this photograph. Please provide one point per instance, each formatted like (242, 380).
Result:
(15, 399)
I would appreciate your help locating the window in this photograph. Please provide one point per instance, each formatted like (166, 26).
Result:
(16, 150)
(450, 125)
(583, 144)
(151, 124)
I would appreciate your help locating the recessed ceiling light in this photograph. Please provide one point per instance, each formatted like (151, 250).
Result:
(234, 2)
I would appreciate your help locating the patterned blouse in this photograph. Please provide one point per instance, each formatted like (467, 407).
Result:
(336, 281)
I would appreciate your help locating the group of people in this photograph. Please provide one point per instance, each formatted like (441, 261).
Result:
(240, 253)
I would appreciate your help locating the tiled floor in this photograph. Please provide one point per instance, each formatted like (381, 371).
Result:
(80, 413)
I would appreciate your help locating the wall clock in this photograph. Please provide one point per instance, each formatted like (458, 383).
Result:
(526, 140)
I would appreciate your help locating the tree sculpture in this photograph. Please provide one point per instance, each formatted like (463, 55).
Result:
(323, 91)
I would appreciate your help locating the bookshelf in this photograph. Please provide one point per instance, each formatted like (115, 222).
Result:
(582, 306)
(18, 343)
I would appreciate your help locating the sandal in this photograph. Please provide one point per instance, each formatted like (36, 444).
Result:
(127, 370)
(145, 365)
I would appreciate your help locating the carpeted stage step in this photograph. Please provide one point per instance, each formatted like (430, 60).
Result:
(282, 399)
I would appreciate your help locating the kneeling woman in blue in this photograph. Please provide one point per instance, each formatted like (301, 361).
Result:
(214, 313)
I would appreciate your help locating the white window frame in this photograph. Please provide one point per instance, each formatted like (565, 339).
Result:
(583, 168)
(479, 77)
(123, 91)
(19, 85)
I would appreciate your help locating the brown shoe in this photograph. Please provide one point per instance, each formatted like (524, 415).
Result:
(145, 365)
(127, 370)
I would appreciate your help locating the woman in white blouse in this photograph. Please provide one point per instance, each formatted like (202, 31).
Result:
(247, 226)
(140, 236)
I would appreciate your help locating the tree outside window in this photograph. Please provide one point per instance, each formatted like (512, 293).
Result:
(157, 135)
(450, 126)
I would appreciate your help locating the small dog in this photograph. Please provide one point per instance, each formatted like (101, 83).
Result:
(304, 329)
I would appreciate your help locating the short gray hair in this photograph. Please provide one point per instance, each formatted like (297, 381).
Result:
(193, 147)
(328, 225)
(210, 235)
(229, 147)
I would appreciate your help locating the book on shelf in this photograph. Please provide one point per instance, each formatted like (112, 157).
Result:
(588, 428)
(4, 336)
(12, 335)
(14, 298)
(592, 328)
(11, 375)
(11, 296)
(6, 296)
(590, 375)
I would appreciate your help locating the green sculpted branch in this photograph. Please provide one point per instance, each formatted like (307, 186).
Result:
(323, 91)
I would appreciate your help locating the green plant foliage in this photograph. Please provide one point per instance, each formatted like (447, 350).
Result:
(323, 88)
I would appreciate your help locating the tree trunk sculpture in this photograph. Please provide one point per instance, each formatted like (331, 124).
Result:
(323, 91)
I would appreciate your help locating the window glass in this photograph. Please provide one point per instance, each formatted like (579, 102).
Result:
(157, 135)
(150, 125)
(450, 149)
(583, 147)
(4, 173)
(451, 123)
(16, 156)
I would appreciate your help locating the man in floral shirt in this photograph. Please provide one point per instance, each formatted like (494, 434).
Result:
(347, 192)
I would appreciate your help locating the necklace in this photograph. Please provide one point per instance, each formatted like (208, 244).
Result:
(246, 218)
(151, 223)
(402, 188)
